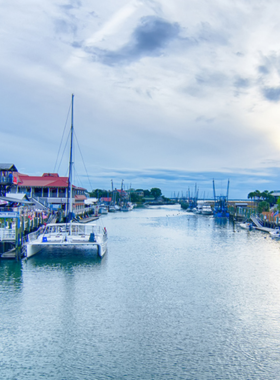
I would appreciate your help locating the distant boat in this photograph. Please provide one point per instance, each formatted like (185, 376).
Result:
(206, 210)
(198, 208)
(275, 234)
(68, 235)
(127, 207)
(103, 210)
(247, 226)
(112, 209)
(221, 204)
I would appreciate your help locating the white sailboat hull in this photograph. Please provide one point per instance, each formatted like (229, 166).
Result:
(72, 235)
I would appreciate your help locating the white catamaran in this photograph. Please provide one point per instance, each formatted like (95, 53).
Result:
(70, 234)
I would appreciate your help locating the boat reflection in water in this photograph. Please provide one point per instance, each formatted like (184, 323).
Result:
(59, 259)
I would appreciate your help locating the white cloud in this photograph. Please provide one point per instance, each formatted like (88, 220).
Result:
(191, 85)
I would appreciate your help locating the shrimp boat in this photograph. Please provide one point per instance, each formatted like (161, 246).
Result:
(71, 234)
(221, 203)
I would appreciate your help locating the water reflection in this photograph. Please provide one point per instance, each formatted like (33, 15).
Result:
(61, 259)
(11, 274)
(179, 296)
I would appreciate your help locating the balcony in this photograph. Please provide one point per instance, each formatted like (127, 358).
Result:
(6, 180)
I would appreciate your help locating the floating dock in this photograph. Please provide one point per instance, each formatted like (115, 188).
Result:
(259, 227)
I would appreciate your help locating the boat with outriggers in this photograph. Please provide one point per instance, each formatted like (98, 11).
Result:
(70, 234)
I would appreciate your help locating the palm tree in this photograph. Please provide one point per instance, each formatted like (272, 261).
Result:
(267, 196)
(258, 194)
(252, 195)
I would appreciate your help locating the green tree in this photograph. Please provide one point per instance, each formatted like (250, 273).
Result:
(135, 197)
(267, 196)
(278, 204)
(263, 206)
(98, 193)
(252, 195)
(156, 192)
(258, 194)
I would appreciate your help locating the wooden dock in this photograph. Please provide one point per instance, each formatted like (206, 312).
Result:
(9, 255)
(89, 219)
(264, 229)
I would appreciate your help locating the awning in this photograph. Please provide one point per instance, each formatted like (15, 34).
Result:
(14, 200)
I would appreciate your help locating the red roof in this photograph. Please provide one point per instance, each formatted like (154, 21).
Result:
(80, 197)
(106, 199)
(50, 175)
(52, 180)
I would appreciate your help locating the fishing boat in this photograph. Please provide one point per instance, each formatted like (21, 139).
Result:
(70, 234)
(221, 203)
(127, 206)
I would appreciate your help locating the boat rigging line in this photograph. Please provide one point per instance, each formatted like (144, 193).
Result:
(66, 122)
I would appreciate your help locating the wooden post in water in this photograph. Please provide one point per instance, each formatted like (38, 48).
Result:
(18, 238)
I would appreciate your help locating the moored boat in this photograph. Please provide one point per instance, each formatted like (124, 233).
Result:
(247, 226)
(206, 210)
(69, 234)
(275, 234)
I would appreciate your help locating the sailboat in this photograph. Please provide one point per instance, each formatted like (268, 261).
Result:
(69, 234)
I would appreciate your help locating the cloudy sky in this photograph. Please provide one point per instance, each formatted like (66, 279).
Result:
(167, 93)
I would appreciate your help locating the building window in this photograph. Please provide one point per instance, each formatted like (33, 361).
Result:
(38, 192)
(62, 193)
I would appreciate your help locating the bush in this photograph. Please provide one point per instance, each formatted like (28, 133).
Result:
(263, 206)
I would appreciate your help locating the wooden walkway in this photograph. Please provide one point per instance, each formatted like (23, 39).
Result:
(10, 255)
(259, 226)
(89, 219)
(264, 229)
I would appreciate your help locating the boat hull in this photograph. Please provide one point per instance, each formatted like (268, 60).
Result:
(33, 248)
(73, 235)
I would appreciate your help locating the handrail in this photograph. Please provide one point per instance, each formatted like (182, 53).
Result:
(7, 234)
(6, 179)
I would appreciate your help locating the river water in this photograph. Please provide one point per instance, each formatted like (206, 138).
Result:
(177, 296)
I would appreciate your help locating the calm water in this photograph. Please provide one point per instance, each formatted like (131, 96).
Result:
(177, 296)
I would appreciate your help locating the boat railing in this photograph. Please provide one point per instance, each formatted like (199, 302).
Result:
(6, 179)
(7, 234)
(34, 235)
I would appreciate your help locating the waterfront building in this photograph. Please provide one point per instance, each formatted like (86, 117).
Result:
(49, 189)
(7, 179)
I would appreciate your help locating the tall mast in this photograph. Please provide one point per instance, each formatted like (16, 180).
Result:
(71, 162)
(214, 192)
(227, 190)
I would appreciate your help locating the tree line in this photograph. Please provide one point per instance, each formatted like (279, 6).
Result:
(264, 199)
(134, 195)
